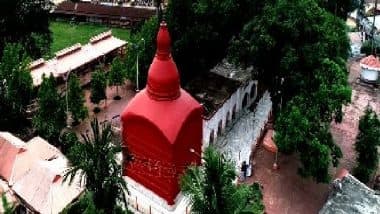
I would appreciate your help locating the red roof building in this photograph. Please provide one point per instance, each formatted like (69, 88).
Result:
(162, 127)
(8, 155)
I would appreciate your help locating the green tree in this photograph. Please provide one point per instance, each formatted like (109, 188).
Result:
(15, 87)
(26, 22)
(98, 88)
(50, 118)
(201, 31)
(291, 39)
(366, 47)
(298, 130)
(67, 140)
(76, 101)
(143, 45)
(117, 75)
(95, 161)
(303, 126)
(300, 49)
(366, 145)
(85, 204)
(211, 189)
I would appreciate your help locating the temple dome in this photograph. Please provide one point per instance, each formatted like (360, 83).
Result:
(163, 79)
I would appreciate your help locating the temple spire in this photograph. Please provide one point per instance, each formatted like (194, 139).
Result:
(163, 78)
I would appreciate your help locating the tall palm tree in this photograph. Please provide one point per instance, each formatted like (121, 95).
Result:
(211, 190)
(95, 161)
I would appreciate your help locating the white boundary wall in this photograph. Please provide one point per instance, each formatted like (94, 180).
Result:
(236, 99)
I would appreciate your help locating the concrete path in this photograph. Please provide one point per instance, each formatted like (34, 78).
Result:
(240, 138)
(111, 112)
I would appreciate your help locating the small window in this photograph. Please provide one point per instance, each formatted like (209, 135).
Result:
(253, 91)
(234, 112)
(245, 100)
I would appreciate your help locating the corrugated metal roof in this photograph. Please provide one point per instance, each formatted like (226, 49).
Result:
(75, 57)
(42, 186)
(36, 149)
(10, 148)
(12, 139)
(42, 149)
(35, 171)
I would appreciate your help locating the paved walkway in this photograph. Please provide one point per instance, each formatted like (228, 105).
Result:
(113, 109)
(241, 137)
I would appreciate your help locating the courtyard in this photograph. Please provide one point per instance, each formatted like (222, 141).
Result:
(283, 189)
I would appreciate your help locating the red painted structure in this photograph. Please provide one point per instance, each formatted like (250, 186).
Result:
(162, 124)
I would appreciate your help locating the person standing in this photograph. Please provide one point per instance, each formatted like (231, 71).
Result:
(244, 168)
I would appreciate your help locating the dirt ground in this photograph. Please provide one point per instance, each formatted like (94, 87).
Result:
(283, 189)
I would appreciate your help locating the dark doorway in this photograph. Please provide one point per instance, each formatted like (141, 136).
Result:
(220, 127)
(234, 112)
(245, 101)
(211, 141)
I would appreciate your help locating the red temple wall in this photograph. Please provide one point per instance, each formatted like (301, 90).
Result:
(153, 161)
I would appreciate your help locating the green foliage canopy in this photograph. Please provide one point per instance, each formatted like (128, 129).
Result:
(67, 140)
(76, 101)
(143, 45)
(50, 118)
(98, 86)
(211, 189)
(366, 145)
(201, 31)
(95, 161)
(117, 74)
(26, 22)
(306, 46)
(15, 86)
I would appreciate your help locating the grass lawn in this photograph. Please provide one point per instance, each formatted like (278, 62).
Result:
(66, 34)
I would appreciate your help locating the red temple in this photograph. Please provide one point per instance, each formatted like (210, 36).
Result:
(162, 127)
